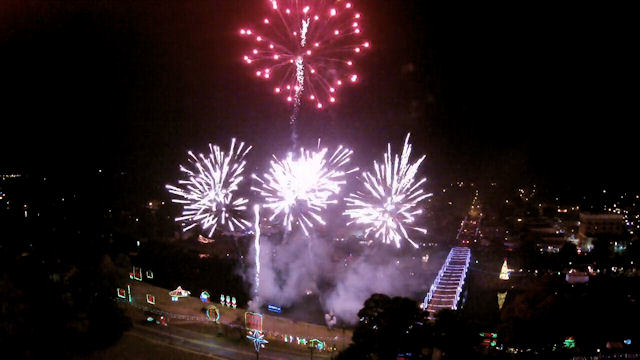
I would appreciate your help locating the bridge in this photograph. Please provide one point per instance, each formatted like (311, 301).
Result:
(447, 286)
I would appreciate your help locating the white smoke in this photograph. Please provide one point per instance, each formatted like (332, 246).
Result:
(292, 268)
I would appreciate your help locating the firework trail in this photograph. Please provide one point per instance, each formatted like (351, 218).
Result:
(207, 190)
(299, 188)
(306, 48)
(390, 203)
(256, 243)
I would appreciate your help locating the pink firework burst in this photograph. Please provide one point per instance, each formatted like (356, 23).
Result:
(307, 48)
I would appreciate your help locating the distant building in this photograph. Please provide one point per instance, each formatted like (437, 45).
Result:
(549, 239)
(551, 244)
(594, 225)
(605, 227)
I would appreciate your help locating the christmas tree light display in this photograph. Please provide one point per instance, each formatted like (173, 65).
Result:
(504, 271)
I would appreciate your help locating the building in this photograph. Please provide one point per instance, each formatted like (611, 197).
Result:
(599, 226)
(593, 225)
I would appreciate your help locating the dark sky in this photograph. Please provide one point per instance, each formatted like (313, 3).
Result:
(526, 92)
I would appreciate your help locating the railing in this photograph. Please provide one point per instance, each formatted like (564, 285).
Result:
(450, 279)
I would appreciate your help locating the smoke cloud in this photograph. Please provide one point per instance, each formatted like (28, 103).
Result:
(342, 274)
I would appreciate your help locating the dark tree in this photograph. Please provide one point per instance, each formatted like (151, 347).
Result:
(388, 327)
(568, 253)
(454, 335)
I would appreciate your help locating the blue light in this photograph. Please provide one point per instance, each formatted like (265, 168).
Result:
(258, 339)
(275, 309)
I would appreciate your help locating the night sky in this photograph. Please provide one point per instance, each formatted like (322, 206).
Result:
(530, 92)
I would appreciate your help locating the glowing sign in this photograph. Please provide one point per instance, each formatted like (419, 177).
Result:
(258, 340)
(136, 274)
(318, 344)
(122, 293)
(489, 338)
(569, 343)
(253, 321)
(213, 313)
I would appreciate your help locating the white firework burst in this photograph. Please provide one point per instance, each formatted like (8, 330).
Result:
(299, 188)
(389, 205)
(207, 191)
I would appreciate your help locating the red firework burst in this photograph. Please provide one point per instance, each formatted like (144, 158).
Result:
(307, 48)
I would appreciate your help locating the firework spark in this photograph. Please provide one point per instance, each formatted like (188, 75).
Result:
(307, 46)
(300, 188)
(389, 205)
(207, 192)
